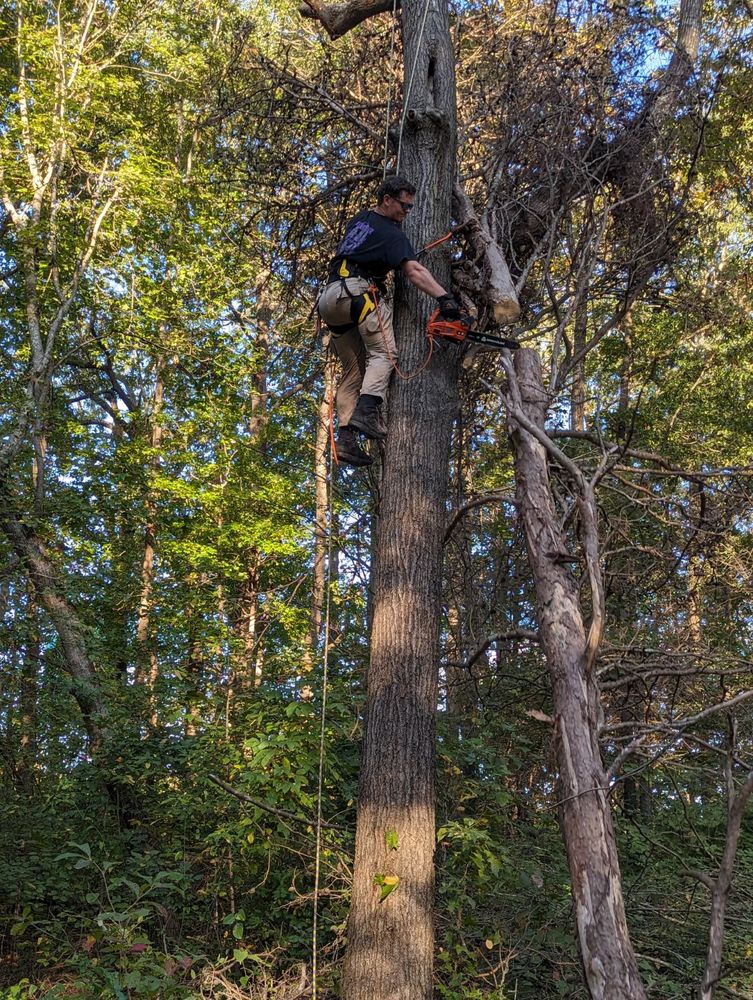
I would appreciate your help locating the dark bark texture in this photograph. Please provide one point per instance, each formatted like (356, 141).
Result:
(391, 943)
(609, 961)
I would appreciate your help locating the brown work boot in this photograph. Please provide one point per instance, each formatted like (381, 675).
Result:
(349, 452)
(366, 417)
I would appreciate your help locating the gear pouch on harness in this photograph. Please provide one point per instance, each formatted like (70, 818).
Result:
(343, 306)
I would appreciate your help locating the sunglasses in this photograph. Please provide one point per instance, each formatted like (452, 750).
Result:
(405, 205)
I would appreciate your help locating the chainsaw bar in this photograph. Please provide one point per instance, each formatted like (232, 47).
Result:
(489, 340)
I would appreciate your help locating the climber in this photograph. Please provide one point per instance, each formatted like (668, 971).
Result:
(355, 307)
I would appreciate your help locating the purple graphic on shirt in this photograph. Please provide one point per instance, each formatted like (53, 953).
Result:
(355, 237)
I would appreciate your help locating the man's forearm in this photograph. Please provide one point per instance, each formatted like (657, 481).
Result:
(422, 278)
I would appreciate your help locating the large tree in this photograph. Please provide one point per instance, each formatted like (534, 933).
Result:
(610, 186)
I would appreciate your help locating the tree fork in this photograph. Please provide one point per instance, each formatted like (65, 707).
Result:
(609, 962)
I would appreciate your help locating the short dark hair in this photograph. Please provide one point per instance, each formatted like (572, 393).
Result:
(393, 186)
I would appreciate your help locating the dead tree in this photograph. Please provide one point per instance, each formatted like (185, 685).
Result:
(609, 962)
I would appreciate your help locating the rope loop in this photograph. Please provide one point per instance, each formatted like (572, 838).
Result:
(405, 376)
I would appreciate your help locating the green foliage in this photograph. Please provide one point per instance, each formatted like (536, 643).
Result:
(179, 504)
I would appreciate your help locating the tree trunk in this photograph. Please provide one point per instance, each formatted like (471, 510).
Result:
(737, 801)
(578, 388)
(28, 697)
(70, 630)
(321, 525)
(246, 662)
(696, 564)
(462, 611)
(147, 667)
(608, 958)
(391, 943)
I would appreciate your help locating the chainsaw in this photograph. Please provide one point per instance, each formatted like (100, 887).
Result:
(461, 330)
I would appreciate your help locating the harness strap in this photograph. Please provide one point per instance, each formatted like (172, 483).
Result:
(348, 269)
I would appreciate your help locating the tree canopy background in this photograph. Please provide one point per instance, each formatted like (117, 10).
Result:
(174, 178)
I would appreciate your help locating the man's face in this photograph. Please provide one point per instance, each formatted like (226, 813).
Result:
(397, 208)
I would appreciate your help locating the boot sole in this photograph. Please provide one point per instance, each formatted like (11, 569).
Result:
(368, 430)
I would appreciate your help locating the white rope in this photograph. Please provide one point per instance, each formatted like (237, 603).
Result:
(406, 98)
(325, 673)
(389, 92)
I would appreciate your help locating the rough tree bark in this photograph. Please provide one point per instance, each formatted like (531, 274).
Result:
(609, 961)
(70, 630)
(391, 943)
(147, 666)
(321, 525)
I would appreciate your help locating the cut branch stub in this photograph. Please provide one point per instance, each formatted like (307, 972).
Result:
(495, 283)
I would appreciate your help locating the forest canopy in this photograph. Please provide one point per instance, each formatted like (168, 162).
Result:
(200, 610)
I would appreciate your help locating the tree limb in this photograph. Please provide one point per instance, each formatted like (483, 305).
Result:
(496, 284)
(283, 813)
(338, 18)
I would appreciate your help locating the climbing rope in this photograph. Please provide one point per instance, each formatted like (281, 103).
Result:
(406, 98)
(389, 93)
(325, 677)
(405, 376)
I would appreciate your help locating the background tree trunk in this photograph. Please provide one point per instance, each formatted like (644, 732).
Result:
(321, 449)
(28, 716)
(147, 666)
(68, 625)
(608, 958)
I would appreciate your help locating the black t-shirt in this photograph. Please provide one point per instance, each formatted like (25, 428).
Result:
(374, 244)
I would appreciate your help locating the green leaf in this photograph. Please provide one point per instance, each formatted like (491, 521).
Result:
(392, 840)
(237, 931)
(114, 916)
(240, 954)
(387, 884)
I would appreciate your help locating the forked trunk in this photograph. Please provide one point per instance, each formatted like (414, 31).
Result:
(608, 958)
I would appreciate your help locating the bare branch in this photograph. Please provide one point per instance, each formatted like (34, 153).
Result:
(516, 633)
(338, 18)
(479, 501)
(282, 813)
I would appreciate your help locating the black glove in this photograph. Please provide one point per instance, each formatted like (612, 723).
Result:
(449, 308)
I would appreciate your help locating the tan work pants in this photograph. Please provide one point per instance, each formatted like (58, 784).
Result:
(366, 350)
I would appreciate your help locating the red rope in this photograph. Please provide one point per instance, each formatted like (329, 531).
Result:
(405, 376)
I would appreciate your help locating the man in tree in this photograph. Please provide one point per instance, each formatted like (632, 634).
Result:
(355, 307)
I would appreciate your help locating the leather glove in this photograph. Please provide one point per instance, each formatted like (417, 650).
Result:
(449, 308)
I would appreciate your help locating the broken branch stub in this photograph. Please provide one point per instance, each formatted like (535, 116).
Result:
(495, 285)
